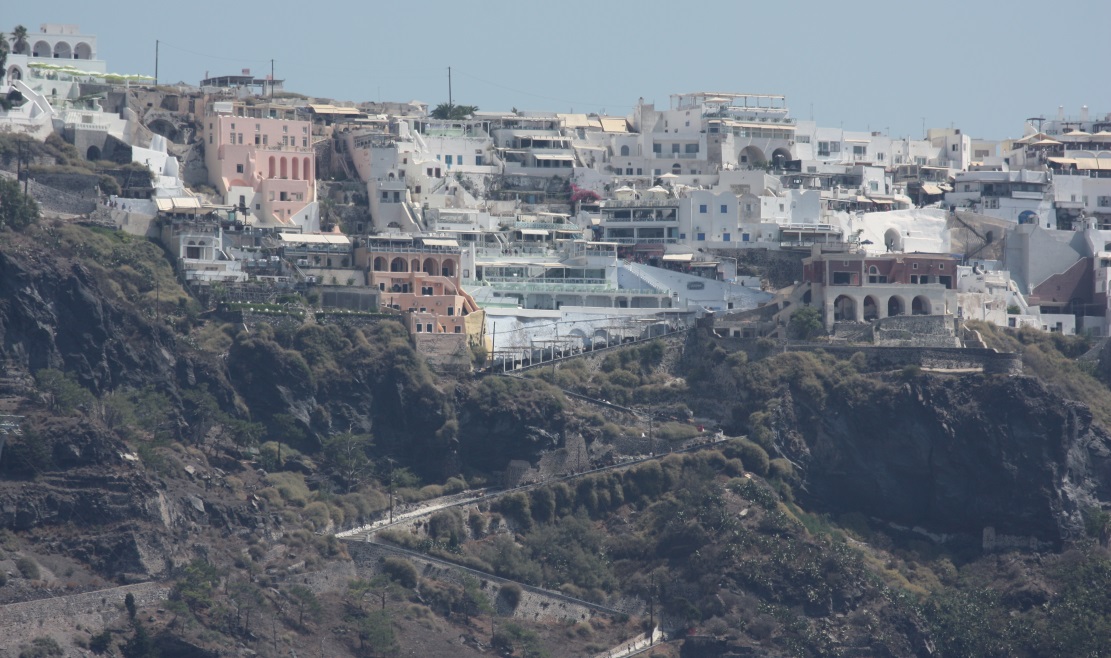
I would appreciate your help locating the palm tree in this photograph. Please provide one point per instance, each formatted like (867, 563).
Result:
(19, 36)
(3, 55)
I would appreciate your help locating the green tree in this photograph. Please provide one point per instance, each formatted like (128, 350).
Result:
(3, 55)
(805, 323)
(19, 36)
(346, 457)
(129, 603)
(305, 601)
(196, 585)
(376, 636)
(63, 393)
(451, 111)
(41, 647)
(17, 210)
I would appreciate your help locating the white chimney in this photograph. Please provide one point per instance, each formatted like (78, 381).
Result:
(1083, 112)
(1060, 112)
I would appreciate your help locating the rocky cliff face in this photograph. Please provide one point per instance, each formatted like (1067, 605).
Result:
(953, 455)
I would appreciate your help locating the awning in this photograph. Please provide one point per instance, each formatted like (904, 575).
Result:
(177, 203)
(313, 238)
(883, 202)
(533, 231)
(554, 157)
(612, 125)
(746, 124)
(568, 230)
(704, 263)
(439, 242)
(1063, 161)
(930, 188)
(682, 258)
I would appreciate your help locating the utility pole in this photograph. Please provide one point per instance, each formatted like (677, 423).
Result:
(156, 62)
(390, 460)
(271, 79)
(449, 104)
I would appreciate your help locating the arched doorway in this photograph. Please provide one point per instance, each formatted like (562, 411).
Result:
(305, 170)
(379, 264)
(676, 169)
(780, 156)
(920, 306)
(62, 50)
(42, 49)
(871, 308)
(752, 156)
(429, 266)
(844, 309)
(296, 168)
(448, 268)
(399, 264)
(82, 51)
(92, 154)
(282, 168)
(896, 306)
(14, 73)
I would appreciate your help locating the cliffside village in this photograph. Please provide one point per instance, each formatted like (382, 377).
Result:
(519, 235)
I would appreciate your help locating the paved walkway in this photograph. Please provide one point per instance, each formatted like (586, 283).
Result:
(638, 644)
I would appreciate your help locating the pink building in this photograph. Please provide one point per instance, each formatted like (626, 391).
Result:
(261, 159)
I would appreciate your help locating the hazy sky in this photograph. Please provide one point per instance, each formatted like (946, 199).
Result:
(979, 65)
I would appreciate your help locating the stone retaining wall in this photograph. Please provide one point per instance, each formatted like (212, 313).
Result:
(59, 617)
(889, 358)
(535, 603)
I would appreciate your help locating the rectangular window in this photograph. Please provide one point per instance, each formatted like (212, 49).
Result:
(674, 148)
(744, 237)
(725, 237)
(703, 208)
(258, 139)
(657, 148)
(265, 138)
(701, 237)
(239, 169)
(691, 148)
(724, 209)
(640, 171)
(428, 328)
(420, 328)
(448, 159)
(629, 171)
(458, 329)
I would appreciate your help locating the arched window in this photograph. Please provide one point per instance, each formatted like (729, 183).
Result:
(296, 168)
(272, 167)
(305, 170)
(62, 50)
(624, 149)
(379, 264)
(42, 49)
(284, 171)
(82, 51)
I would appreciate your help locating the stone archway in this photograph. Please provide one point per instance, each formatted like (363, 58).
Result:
(92, 154)
(844, 309)
(920, 305)
(429, 266)
(871, 308)
(379, 264)
(42, 49)
(896, 306)
(82, 51)
(399, 264)
(752, 156)
(62, 50)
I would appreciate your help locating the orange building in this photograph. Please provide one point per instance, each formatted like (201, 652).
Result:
(420, 276)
